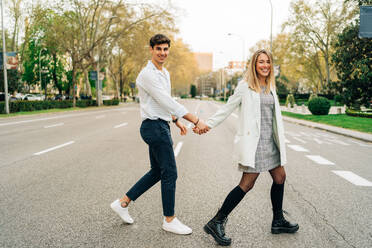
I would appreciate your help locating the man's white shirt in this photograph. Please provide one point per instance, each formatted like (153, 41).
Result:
(154, 90)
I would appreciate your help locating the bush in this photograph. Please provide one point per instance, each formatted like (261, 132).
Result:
(319, 106)
(111, 102)
(290, 100)
(338, 100)
(356, 113)
(25, 106)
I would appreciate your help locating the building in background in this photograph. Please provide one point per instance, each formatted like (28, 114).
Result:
(205, 61)
(205, 82)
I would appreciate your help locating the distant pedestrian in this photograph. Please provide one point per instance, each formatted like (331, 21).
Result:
(259, 141)
(158, 108)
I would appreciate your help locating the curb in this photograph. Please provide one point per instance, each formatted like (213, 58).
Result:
(337, 130)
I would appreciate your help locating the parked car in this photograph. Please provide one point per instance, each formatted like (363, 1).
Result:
(32, 97)
(105, 97)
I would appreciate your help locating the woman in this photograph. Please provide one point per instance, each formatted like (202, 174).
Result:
(259, 143)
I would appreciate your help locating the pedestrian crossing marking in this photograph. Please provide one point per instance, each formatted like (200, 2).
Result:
(353, 178)
(301, 140)
(298, 148)
(319, 160)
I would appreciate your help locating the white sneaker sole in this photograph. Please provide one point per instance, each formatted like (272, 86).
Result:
(175, 232)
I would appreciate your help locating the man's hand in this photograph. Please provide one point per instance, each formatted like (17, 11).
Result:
(201, 127)
(182, 127)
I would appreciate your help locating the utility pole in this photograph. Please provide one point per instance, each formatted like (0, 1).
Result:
(271, 28)
(41, 82)
(4, 62)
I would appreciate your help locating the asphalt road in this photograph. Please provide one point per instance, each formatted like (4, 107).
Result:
(60, 172)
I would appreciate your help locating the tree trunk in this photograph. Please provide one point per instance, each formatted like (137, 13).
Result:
(121, 90)
(87, 83)
(73, 85)
(55, 80)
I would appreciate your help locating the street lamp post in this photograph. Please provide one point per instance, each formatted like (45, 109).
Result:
(4, 62)
(41, 82)
(98, 85)
(271, 28)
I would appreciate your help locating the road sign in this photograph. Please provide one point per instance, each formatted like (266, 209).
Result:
(93, 75)
(365, 28)
(12, 60)
(132, 85)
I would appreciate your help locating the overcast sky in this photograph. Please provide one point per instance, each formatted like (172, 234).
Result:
(205, 25)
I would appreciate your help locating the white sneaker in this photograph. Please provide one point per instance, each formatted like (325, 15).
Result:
(122, 212)
(176, 226)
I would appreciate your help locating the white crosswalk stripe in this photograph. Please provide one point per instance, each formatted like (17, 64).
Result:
(319, 159)
(298, 148)
(353, 178)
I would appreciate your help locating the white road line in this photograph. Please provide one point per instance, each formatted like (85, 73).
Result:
(301, 140)
(54, 117)
(339, 142)
(298, 148)
(305, 134)
(318, 141)
(292, 134)
(319, 160)
(178, 148)
(100, 116)
(54, 125)
(121, 125)
(54, 148)
(286, 141)
(235, 115)
(360, 144)
(353, 178)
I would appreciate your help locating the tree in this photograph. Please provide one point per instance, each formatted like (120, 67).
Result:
(193, 90)
(182, 67)
(312, 31)
(353, 62)
(16, 12)
(14, 83)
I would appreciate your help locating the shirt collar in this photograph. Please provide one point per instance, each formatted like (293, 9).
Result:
(152, 66)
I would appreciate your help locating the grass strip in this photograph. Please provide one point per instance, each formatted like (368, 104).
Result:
(339, 120)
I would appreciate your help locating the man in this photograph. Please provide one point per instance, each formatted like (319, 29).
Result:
(158, 108)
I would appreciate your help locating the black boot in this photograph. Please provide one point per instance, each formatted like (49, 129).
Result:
(281, 225)
(216, 228)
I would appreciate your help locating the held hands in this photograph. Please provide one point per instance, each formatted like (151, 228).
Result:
(200, 128)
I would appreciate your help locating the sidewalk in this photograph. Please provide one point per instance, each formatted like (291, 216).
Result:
(338, 130)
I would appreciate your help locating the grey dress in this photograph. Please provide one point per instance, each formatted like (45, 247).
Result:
(267, 155)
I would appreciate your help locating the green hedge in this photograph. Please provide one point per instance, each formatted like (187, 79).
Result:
(111, 102)
(319, 106)
(25, 106)
(358, 113)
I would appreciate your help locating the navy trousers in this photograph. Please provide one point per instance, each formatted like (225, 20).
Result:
(156, 134)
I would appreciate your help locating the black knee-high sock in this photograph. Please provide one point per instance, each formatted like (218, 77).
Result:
(276, 193)
(232, 200)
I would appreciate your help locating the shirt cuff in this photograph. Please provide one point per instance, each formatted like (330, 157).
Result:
(182, 111)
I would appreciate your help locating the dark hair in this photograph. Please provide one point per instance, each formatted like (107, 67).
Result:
(159, 39)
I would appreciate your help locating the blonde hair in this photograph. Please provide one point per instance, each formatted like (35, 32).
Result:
(251, 74)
